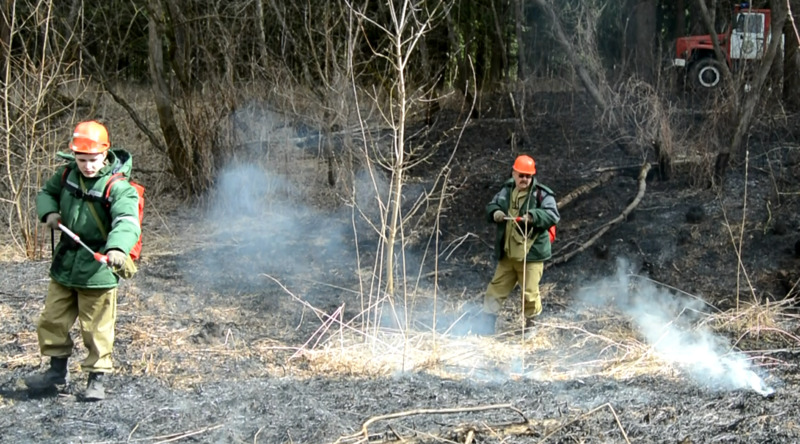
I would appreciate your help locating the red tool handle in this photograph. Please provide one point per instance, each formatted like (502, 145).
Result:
(102, 258)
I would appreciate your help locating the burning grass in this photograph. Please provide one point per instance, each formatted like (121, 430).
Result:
(178, 351)
(184, 351)
(542, 356)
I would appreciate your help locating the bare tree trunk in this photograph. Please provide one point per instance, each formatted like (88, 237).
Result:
(791, 64)
(779, 13)
(180, 51)
(453, 38)
(521, 47)
(5, 30)
(499, 62)
(180, 158)
(262, 33)
(708, 21)
(574, 56)
(696, 26)
(680, 18)
(399, 164)
(645, 31)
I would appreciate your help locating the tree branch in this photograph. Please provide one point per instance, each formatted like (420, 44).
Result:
(154, 140)
(618, 219)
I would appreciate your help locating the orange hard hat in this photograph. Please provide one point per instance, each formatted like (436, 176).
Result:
(90, 137)
(525, 165)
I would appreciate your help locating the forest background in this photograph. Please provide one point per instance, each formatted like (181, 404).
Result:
(312, 165)
(197, 80)
(350, 67)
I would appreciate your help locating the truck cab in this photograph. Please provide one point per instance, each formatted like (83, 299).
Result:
(746, 38)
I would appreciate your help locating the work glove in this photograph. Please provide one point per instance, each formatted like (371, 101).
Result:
(498, 216)
(116, 258)
(525, 219)
(52, 220)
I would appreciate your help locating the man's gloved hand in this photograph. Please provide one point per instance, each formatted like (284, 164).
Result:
(52, 220)
(526, 219)
(498, 216)
(116, 258)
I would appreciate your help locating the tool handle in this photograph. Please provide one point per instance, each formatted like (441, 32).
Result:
(102, 258)
(69, 232)
(515, 219)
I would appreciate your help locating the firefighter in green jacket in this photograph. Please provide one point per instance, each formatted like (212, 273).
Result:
(81, 287)
(523, 211)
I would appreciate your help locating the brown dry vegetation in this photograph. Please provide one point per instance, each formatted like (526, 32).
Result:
(246, 325)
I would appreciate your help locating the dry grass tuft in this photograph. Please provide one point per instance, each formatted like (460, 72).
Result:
(25, 348)
(768, 324)
(613, 352)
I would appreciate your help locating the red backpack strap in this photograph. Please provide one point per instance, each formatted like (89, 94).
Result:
(64, 176)
(116, 177)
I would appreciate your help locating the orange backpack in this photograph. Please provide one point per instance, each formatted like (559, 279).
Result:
(552, 230)
(136, 251)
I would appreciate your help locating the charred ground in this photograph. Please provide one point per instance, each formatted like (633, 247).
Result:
(218, 339)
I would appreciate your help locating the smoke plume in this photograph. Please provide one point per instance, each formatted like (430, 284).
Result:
(670, 324)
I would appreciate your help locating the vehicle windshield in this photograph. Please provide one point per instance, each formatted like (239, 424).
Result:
(749, 23)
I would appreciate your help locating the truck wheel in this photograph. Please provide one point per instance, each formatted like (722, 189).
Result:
(706, 73)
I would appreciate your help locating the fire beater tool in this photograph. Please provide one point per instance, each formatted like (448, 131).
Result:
(102, 258)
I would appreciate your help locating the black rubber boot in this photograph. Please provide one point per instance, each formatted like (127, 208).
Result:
(95, 391)
(55, 375)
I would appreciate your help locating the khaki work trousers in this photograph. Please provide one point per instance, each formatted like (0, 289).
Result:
(96, 310)
(506, 276)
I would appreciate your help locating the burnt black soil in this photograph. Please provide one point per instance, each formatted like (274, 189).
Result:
(218, 340)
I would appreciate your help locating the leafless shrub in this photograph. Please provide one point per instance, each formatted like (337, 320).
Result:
(403, 28)
(37, 116)
(653, 120)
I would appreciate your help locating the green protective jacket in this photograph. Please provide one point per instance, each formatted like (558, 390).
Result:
(545, 214)
(72, 265)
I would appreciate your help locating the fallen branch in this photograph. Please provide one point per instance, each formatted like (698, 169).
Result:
(179, 436)
(161, 439)
(363, 435)
(583, 189)
(590, 412)
(642, 186)
(469, 432)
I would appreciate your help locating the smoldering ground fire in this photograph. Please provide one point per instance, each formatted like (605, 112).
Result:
(673, 327)
(252, 212)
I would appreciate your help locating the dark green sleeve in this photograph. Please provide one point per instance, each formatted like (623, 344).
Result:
(124, 211)
(498, 202)
(47, 200)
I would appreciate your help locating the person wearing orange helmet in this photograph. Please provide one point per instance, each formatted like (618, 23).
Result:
(81, 287)
(522, 211)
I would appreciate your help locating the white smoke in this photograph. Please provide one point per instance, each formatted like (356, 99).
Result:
(671, 324)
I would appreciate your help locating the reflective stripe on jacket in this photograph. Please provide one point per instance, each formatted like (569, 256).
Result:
(72, 265)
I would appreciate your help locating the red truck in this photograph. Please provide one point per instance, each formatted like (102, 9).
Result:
(746, 40)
